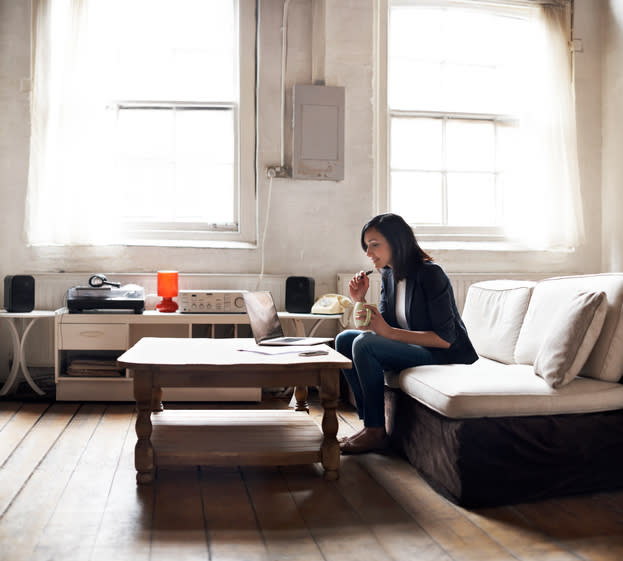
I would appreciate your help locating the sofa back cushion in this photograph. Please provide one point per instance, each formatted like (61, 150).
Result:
(571, 338)
(493, 314)
(605, 361)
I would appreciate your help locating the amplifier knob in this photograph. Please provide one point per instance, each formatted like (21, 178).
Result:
(239, 302)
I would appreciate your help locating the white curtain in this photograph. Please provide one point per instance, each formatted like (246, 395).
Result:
(70, 162)
(544, 207)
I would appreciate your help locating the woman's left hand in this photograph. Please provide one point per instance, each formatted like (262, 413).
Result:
(377, 322)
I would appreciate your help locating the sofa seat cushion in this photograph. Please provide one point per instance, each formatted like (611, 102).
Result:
(488, 388)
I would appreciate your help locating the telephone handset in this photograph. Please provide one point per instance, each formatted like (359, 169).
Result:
(99, 280)
(334, 304)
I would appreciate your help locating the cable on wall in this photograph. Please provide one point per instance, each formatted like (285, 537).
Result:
(271, 171)
(284, 55)
(263, 241)
(258, 59)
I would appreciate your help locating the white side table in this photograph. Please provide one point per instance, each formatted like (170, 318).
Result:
(19, 360)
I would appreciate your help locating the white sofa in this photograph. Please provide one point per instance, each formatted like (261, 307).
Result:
(496, 432)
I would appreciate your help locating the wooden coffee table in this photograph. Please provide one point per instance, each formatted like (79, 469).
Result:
(232, 437)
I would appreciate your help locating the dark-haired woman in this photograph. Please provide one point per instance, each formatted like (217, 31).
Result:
(417, 323)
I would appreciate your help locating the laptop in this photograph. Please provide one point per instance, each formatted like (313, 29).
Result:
(265, 323)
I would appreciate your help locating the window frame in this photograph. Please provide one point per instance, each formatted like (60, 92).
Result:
(242, 233)
(444, 229)
(382, 126)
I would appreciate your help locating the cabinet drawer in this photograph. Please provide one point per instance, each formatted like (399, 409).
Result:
(94, 337)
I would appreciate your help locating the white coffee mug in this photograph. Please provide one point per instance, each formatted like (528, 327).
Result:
(363, 321)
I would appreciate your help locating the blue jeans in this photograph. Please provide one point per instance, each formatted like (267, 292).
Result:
(371, 355)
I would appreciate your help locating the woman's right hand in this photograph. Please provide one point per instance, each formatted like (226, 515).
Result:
(358, 287)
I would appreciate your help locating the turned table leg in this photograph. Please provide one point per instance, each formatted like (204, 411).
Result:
(330, 449)
(300, 394)
(144, 450)
(156, 400)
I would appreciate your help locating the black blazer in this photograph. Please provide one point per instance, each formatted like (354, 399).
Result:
(430, 306)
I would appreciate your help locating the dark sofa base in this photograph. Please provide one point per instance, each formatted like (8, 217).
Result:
(504, 460)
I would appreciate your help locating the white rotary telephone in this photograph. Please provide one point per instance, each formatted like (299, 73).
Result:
(334, 304)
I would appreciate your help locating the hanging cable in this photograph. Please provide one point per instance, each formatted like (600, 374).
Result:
(284, 54)
(263, 242)
(271, 175)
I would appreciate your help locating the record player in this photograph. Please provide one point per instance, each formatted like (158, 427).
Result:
(106, 298)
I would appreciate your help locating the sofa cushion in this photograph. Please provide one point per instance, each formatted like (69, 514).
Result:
(571, 338)
(493, 315)
(605, 362)
(490, 389)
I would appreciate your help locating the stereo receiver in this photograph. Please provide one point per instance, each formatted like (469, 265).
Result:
(211, 302)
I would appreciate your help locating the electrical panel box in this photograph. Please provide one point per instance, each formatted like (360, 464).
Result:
(318, 132)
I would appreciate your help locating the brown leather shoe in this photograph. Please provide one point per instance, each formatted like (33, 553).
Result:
(354, 447)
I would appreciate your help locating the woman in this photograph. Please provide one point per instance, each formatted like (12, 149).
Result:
(417, 323)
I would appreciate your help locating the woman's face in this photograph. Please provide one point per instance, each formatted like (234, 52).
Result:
(379, 251)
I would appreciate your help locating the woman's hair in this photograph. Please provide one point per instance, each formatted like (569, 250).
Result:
(406, 252)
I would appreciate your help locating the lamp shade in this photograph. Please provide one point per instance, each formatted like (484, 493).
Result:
(167, 284)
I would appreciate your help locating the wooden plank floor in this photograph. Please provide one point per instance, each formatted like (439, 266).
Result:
(68, 492)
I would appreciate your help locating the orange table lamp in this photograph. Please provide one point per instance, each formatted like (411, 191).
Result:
(167, 288)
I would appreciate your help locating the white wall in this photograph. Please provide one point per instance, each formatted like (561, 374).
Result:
(314, 226)
(612, 122)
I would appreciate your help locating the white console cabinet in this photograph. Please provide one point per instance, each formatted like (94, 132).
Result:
(88, 344)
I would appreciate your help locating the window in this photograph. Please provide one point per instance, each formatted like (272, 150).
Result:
(442, 164)
(143, 121)
(461, 106)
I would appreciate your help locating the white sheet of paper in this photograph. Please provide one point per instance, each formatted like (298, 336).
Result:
(276, 350)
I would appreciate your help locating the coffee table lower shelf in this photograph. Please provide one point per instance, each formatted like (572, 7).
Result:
(234, 437)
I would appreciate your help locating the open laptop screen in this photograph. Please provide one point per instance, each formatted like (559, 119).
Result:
(263, 316)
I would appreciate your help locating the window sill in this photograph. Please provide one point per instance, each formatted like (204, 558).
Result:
(488, 246)
(203, 244)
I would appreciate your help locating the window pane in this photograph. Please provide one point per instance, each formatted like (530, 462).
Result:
(416, 34)
(472, 37)
(205, 193)
(414, 84)
(206, 135)
(417, 197)
(415, 47)
(205, 165)
(184, 53)
(507, 145)
(471, 199)
(469, 89)
(144, 187)
(453, 59)
(145, 170)
(145, 134)
(177, 166)
(416, 144)
(470, 145)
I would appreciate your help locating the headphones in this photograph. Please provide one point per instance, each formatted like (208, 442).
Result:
(99, 280)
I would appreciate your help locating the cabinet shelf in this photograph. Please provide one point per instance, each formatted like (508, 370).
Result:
(105, 336)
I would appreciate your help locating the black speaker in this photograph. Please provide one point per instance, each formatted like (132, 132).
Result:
(19, 293)
(299, 294)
